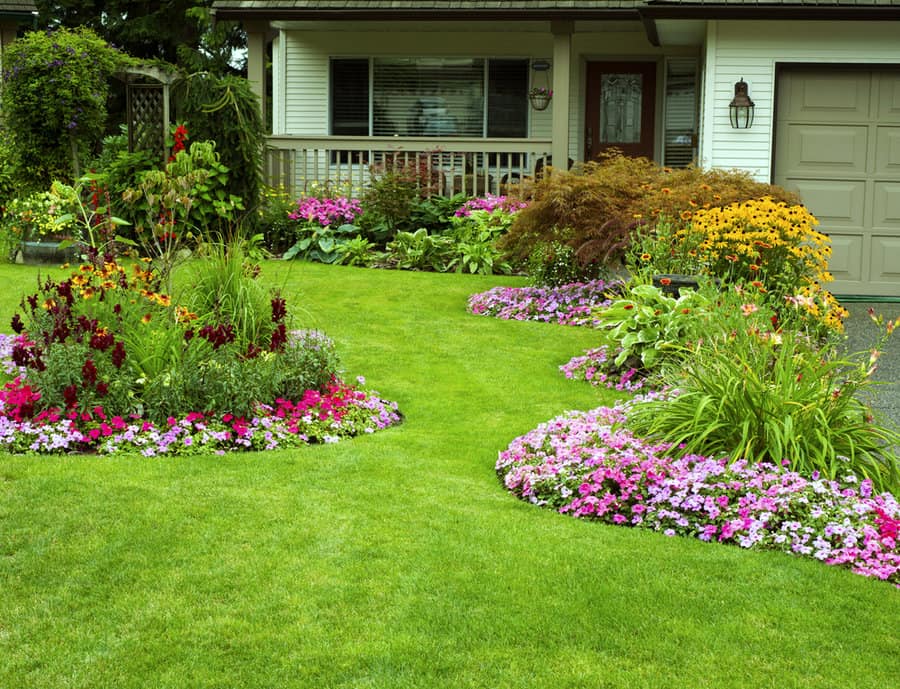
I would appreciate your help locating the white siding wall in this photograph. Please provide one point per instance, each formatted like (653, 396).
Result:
(304, 104)
(750, 50)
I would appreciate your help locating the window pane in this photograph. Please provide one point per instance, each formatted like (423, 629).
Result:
(428, 97)
(350, 97)
(507, 98)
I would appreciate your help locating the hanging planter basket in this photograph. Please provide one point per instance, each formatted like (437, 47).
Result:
(540, 98)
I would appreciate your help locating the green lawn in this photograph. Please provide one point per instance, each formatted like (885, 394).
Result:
(398, 560)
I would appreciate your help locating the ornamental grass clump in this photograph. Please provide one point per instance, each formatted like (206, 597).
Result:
(590, 465)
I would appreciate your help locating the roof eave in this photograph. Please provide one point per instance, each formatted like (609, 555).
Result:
(343, 15)
(775, 12)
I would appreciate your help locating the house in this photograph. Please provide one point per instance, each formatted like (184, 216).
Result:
(803, 93)
(13, 16)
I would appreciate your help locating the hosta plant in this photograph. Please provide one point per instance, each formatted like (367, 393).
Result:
(647, 324)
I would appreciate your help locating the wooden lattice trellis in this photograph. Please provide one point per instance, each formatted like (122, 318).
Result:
(147, 91)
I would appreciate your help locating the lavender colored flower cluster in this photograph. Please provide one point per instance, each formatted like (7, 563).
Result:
(588, 465)
(597, 367)
(490, 203)
(329, 211)
(570, 304)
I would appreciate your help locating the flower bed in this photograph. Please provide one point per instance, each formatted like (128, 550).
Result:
(570, 304)
(340, 411)
(587, 465)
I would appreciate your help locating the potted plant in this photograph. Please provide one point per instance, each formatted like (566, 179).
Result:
(40, 227)
(540, 97)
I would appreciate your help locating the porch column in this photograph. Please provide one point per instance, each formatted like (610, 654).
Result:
(257, 32)
(562, 69)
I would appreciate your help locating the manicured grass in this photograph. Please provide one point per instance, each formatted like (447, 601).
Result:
(398, 560)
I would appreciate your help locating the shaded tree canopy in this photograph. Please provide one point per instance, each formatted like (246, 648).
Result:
(177, 31)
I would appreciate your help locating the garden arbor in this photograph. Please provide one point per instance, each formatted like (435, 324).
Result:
(148, 106)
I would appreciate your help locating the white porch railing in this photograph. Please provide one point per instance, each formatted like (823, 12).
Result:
(441, 166)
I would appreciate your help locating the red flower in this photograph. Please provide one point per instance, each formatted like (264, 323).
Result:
(70, 395)
(118, 355)
(88, 373)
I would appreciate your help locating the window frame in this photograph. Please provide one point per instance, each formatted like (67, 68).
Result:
(487, 99)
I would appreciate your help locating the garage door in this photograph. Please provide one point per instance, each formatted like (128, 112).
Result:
(838, 144)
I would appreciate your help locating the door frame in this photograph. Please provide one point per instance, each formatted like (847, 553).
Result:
(648, 68)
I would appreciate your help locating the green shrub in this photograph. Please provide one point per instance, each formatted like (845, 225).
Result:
(279, 231)
(356, 251)
(54, 101)
(310, 362)
(648, 324)
(421, 251)
(225, 110)
(553, 263)
(322, 244)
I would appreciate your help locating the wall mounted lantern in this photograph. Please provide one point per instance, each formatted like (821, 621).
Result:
(740, 109)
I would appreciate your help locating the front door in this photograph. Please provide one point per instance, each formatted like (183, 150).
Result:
(621, 102)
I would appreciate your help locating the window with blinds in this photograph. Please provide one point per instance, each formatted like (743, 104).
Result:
(680, 112)
(433, 96)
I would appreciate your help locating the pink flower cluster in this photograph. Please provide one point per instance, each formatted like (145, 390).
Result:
(341, 411)
(337, 211)
(597, 367)
(490, 203)
(570, 304)
(588, 465)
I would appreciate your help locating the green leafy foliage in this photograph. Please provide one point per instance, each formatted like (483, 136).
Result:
(356, 251)
(225, 110)
(554, 263)
(421, 251)
(324, 244)
(649, 324)
(54, 101)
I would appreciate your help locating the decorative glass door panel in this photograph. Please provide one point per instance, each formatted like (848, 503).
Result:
(620, 108)
(621, 99)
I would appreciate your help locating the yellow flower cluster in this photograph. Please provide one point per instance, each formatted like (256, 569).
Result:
(763, 238)
(39, 215)
(91, 281)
